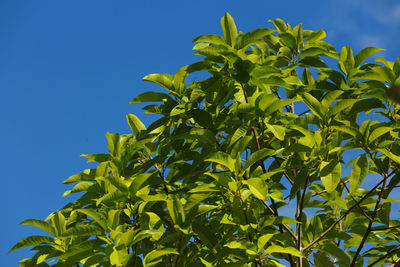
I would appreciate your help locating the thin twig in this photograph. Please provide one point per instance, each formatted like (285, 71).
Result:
(341, 217)
(393, 250)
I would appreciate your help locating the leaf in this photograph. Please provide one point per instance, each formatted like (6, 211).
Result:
(239, 133)
(313, 51)
(222, 159)
(210, 38)
(364, 54)
(262, 240)
(346, 129)
(378, 132)
(97, 217)
(396, 67)
(58, 222)
(202, 117)
(83, 230)
(279, 24)
(330, 173)
(316, 36)
(176, 211)
(289, 40)
(313, 104)
(118, 183)
(258, 187)
(136, 125)
(336, 252)
(257, 156)
(40, 224)
(163, 79)
(115, 196)
(100, 157)
(86, 175)
(252, 36)
(346, 62)
(153, 257)
(195, 199)
(79, 187)
(138, 181)
(390, 155)
(278, 249)
(151, 97)
(277, 130)
(322, 260)
(330, 97)
(358, 173)
(32, 241)
(229, 29)
(341, 105)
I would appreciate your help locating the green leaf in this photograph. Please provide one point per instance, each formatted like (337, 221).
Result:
(79, 187)
(239, 133)
(58, 222)
(151, 97)
(195, 199)
(83, 230)
(229, 29)
(341, 105)
(210, 38)
(136, 125)
(289, 40)
(277, 130)
(279, 24)
(390, 155)
(358, 173)
(202, 117)
(40, 224)
(330, 173)
(97, 217)
(262, 240)
(86, 175)
(163, 79)
(222, 159)
(138, 181)
(378, 132)
(316, 36)
(115, 196)
(276, 105)
(152, 258)
(364, 54)
(179, 79)
(252, 36)
(258, 187)
(118, 183)
(330, 97)
(278, 249)
(257, 156)
(176, 211)
(313, 104)
(322, 260)
(346, 62)
(396, 67)
(32, 241)
(336, 252)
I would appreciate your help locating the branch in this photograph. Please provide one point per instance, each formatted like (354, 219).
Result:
(342, 217)
(393, 250)
(368, 231)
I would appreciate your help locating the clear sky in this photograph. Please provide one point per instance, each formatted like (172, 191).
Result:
(68, 69)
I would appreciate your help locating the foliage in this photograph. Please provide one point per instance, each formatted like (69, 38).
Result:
(275, 159)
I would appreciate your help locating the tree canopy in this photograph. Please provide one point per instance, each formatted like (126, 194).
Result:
(285, 154)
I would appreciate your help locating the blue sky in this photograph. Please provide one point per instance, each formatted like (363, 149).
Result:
(68, 69)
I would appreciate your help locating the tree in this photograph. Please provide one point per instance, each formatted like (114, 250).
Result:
(275, 159)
